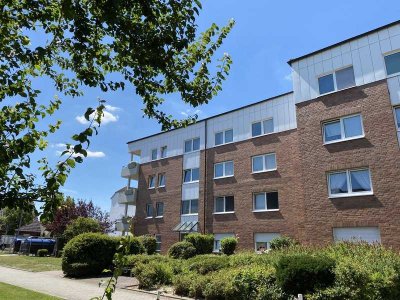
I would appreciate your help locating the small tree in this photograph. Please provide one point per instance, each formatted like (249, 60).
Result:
(228, 245)
(81, 225)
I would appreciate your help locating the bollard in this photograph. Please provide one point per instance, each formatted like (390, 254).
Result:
(158, 295)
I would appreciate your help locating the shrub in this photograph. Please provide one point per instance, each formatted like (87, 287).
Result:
(303, 273)
(153, 274)
(149, 244)
(203, 243)
(136, 246)
(135, 260)
(182, 250)
(204, 264)
(42, 252)
(228, 245)
(282, 242)
(88, 254)
(79, 226)
(219, 286)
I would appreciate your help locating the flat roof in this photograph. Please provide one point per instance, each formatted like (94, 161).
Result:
(344, 41)
(215, 116)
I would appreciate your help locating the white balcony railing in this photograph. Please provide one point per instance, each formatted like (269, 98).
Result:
(128, 196)
(130, 171)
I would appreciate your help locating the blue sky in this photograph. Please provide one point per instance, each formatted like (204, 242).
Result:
(266, 35)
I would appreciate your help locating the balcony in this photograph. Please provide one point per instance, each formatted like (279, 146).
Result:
(128, 196)
(122, 225)
(131, 171)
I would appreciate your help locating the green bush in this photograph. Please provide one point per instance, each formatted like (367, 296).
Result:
(42, 252)
(203, 243)
(203, 264)
(149, 243)
(136, 246)
(88, 254)
(228, 245)
(182, 250)
(303, 273)
(153, 274)
(135, 260)
(282, 242)
(79, 226)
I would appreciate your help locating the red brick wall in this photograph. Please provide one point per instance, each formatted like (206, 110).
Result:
(379, 151)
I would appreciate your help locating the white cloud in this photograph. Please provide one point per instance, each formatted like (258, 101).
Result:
(191, 112)
(107, 117)
(94, 154)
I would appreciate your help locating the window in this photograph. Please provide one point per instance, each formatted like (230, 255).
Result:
(149, 210)
(262, 127)
(262, 240)
(161, 180)
(346, 128)
(224, 169)
(163, 152)
(159, 209)
(154, 154)
(392, 62)
(158, 242)
(191, 175)
(190, 206)
(337, 80)
(224, 204)
(224, 137)
(217, 240)
(263, 163)
(192, 145)
(266, 201)
(349, 183)
(152, 182)
(397, 115)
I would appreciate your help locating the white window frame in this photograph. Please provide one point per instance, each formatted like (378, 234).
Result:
(191, 176)
(387, 54)
(350, 192)
(157, 215)
(191, 148)
(342, 130)
(152, 151)
(158, 180)
(264, 166)
(271, 236)
(224, 211)
(190, 207)
(154, 182)
(395, 118)
(163, 152)
(224, 142)
(334, 80)
(265, 201)
(147, 211)
(262, 127)
(223, 163)
(217, 242)
(158, 242)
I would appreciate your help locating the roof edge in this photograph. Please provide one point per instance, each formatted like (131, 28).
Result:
(343, 42)
(215, 116)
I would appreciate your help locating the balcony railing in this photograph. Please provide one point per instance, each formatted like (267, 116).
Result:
(128, 196)
(130, 171)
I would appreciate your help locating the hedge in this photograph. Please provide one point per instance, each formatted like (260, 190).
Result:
(228, 245)
(203, 243)
(182, 250)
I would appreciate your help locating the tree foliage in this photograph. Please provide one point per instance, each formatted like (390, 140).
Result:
(81, 225)
(153, 45)
(10, 219)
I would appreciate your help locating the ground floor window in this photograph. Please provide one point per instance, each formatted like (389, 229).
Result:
(262, 241)
(158, 241)
(356, 234)
(217, 240)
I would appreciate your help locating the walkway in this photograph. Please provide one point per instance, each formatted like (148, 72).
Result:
(53, 283)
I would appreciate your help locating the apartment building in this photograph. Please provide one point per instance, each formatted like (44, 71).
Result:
(320, 163)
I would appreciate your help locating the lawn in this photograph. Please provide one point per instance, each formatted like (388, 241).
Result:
(31, 263)
(11, 292)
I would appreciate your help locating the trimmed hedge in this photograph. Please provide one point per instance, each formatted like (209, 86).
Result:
(182, 250)
(282, 242)
(204, 264)
(42, 252)
(203, 243)
(228, 245)
(149, 243)
(153, 274)
(136, 245)
(88, 254)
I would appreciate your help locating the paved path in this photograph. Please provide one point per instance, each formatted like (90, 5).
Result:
(53, 284)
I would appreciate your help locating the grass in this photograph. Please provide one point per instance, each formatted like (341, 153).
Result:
(31, 263)
(11, 292)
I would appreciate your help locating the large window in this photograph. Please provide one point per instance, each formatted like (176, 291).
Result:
(349, 183)
(265, 201)
(223, 169)
(192, 145)
(263, 163)
(159, 209)
(392, 62)
(149, 210)
(163, 152)
(337, 80)
(158, 242)
(154, 154)
(346, 128)
(191, 175)
(224, 204)
(190, 206)
(224, 137)
(397, 115)
(152, 182)
(161, 180)
(262, 127)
